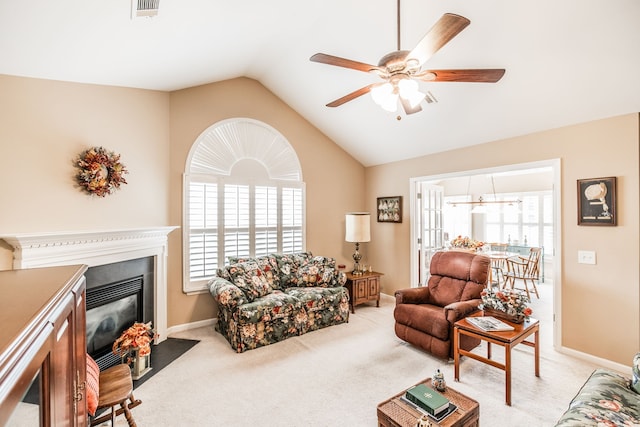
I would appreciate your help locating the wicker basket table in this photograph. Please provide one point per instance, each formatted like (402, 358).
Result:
(393, 412)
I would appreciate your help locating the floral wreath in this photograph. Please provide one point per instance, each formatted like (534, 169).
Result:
(101, 172)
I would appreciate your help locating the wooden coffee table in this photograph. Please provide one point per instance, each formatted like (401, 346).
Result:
(393, 412)
(506, 339)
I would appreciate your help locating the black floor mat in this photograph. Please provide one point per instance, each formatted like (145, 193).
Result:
(165, 353)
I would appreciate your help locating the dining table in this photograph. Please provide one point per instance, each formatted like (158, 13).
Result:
(498, 262)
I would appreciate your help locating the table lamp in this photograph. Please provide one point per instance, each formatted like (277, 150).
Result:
(357, 226)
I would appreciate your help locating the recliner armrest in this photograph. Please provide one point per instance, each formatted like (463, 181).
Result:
(413, 296)
(457, 310)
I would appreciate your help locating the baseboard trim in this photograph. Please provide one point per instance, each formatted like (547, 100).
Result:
(605, 363)
(192, 325)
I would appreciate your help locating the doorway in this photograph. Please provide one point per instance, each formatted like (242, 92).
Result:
(434, 223)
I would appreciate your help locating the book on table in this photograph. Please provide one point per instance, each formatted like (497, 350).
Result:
(437, 418)
(427, 398)
(489, 323)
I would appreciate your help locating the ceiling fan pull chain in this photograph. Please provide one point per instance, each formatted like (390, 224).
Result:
(398, 25)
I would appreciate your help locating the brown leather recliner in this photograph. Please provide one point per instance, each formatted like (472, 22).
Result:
(425, 316)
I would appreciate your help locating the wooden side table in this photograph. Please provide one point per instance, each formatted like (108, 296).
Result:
(394, 412)
(506, 339)
(362, 288)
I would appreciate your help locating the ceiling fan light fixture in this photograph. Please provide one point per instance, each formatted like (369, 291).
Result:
(386, 96)
(381, 92)
(391, 103)
(409, 90)
(405, 66)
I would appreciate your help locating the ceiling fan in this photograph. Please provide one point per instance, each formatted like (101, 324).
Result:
(401, 70)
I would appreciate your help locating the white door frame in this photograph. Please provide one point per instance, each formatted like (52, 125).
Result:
(555, 164)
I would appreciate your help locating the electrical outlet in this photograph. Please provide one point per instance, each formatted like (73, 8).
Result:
(586, 257)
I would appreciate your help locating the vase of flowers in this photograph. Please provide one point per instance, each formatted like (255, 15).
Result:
(466, 243)
(134, 348)
(507, 304)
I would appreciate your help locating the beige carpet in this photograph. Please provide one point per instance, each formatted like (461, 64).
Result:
(337, 376)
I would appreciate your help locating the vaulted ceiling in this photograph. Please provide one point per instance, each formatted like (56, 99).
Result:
(566, 61)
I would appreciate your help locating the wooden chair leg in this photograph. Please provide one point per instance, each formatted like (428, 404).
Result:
(535, 288)
(127, 414)
(510, 282)
(526, 288)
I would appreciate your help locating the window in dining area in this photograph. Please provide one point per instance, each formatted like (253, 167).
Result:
(456, 218)
(529, 223)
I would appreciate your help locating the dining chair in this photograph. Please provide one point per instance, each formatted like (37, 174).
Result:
(526, 269)
(498, 263)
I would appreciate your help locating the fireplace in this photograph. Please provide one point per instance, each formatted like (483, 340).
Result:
(134, 260)
(118, 295)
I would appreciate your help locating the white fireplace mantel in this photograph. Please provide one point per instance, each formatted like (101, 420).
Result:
(98, 248)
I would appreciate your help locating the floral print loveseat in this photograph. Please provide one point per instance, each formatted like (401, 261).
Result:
(607, 399)
(271, 298)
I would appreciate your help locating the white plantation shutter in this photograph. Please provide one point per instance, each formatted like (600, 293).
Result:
(203, 231)
(266, 220)
(236, 220)
(292, 220)
(230, 214)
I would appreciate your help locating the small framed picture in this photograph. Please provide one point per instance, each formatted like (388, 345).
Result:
(597, 201)
(390, 209)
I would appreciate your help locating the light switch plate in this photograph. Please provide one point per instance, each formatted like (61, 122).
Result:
(586, 257)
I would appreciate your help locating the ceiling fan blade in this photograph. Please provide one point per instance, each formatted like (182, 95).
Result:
(408, 109)
(342, 62)
(351, 96)
(447, 27)
(480, 75)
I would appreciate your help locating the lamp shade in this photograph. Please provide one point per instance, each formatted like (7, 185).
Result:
(357, 227)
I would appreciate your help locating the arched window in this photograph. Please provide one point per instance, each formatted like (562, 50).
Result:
(243, 196)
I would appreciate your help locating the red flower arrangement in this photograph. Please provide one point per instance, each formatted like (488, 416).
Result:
(101, 172)
(138, 336)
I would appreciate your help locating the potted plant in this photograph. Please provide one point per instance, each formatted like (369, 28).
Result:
(134, 347)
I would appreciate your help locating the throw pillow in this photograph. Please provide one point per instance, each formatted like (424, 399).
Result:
(635, 380)
(268, 264)
(223, 273)
(322, 260)
(287, 269)
(249, 277)
(315, 275)
(93, 385)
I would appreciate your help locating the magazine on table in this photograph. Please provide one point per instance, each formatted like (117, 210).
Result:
(489, 323)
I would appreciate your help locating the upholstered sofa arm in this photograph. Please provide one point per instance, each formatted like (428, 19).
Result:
(412, 296)
(341, 278)
(226, 293)
(457, 310)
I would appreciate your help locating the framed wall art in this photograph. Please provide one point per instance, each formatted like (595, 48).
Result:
(390, 209)
(597, 201)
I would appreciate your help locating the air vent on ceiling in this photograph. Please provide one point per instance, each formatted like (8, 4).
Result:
(140, 8)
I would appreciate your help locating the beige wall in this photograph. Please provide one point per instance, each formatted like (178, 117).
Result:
(334, 180)
(600, 303)
(45, 125)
